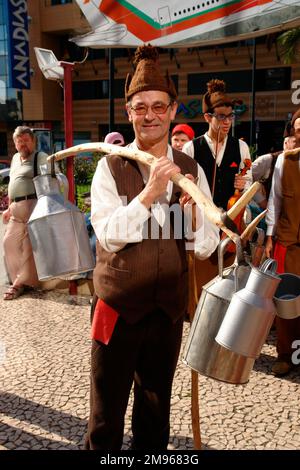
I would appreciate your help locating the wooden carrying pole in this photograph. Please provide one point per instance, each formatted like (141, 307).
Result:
(215, 215)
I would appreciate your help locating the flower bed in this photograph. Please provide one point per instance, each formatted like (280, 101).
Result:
(3, 197)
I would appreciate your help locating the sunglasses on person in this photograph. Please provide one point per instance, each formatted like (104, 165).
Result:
(156, 108)
(223, 117)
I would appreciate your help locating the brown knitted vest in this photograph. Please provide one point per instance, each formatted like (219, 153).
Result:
(151, 274)
(288, 228)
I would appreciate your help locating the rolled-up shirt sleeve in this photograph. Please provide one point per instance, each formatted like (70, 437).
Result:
(115, 223)
(275, 198)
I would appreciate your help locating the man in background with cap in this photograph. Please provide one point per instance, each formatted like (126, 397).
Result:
(140, 278)
(221, 156)
(263, 168)
(181, 134)
(114, 138)
(217, 152)
(283, 234)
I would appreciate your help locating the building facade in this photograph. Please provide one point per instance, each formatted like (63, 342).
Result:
(52, 22)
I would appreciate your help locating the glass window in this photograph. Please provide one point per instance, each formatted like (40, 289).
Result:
(273, 79)
(60, 2)
(2, 92)
(2, 47)
(175, 80)
(97, 89)
(3, 143)
(11, 93)
(2, 31)
(236, 82)
(240, 81)
(3, 64)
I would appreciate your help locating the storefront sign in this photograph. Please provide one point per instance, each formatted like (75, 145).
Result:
(265, 107)
(18, 50)
(193, 108)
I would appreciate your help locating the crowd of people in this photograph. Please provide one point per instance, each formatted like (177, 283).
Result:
(141, 276)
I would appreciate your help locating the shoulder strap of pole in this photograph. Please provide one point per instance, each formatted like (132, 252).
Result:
(35, 164)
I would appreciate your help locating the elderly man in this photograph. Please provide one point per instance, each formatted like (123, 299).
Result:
(25, 164)
(141, 273)
(283, 221)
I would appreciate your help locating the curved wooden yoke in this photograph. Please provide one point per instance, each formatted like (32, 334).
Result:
(212, 212)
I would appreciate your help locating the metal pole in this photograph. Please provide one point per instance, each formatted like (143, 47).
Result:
(68, 124)
(252, 123)
(111, 90)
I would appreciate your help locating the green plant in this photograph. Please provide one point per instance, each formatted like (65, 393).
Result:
(289, 42)
(253, 151)
(83, 197)
(84, 168)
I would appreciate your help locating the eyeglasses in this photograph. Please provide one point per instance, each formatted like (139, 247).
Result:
(157, 108)
(223, 117)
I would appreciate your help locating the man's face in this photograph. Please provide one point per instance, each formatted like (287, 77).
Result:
(178, 140)
(151, 113)
(297, 132)
(24, 145)
(220, 120)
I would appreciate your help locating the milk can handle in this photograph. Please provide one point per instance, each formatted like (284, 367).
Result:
(221, 249)
(269, 265)
(52, 167)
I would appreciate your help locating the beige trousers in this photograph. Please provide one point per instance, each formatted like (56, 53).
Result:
(17, 247)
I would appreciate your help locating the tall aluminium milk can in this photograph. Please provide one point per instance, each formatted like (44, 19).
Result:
(202, 353)
(251, 313)
(287, 296)
(58, 232)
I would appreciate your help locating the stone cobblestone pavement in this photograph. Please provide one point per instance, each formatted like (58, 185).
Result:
(44, 398)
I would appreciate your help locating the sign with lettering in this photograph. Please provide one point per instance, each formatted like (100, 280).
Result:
(193, 108)
(265, 107)
(18, 49)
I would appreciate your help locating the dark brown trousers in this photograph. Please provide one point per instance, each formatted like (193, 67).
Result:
(145, 354)
(288, 330)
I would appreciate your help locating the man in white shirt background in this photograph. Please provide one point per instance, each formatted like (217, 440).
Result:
(283, 240)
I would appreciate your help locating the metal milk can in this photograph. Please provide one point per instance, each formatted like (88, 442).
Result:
(287, 296)
(251, 312)
(202, 353)
(57, 232)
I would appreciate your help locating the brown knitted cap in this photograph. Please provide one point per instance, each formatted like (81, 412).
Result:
(215, 96)
(147, 75)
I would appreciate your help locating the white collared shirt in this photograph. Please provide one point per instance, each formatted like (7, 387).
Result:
(117, 223)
